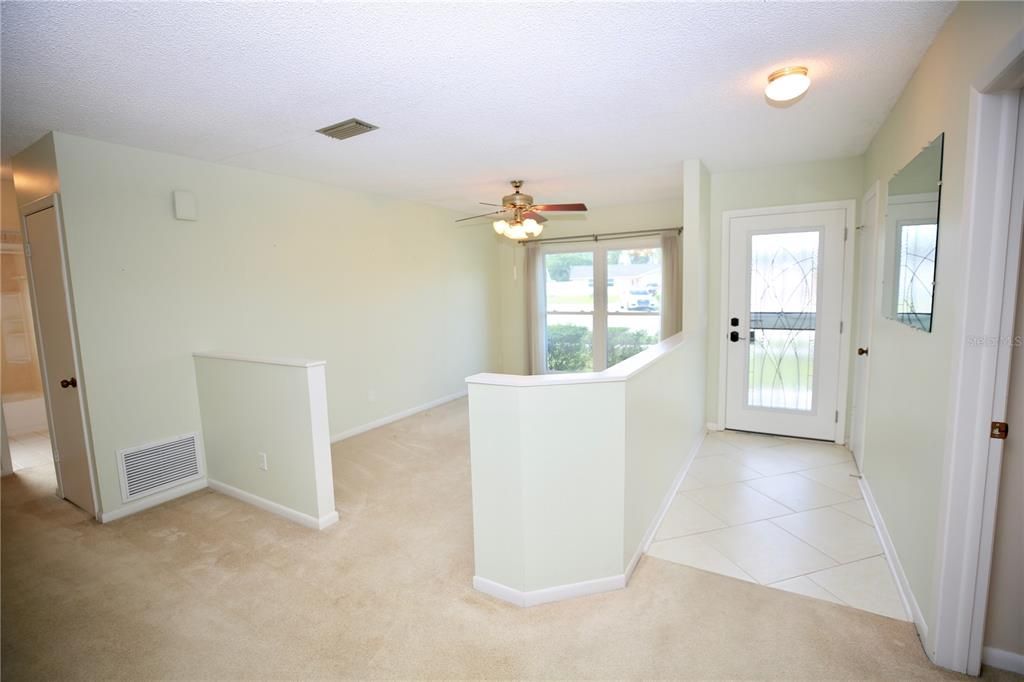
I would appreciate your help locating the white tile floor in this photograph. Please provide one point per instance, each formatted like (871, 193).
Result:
(31, 450)
(781, 512)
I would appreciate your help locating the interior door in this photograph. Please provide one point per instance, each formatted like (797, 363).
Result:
(785, 284)
(866, 246)
(45, 258)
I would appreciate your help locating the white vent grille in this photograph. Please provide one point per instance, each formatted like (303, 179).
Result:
(159, 466)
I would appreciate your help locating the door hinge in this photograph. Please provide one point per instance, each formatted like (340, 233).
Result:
(840, 326)
(999, 430)
(837, 416)
(846, 232)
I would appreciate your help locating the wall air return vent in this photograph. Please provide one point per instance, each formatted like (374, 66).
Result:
(347, 129)
(159, 466)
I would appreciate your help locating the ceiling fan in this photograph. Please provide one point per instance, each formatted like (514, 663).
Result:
(521, 217)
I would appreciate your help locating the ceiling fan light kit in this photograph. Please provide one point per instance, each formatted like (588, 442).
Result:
(521, 219)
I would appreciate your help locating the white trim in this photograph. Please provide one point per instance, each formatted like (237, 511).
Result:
(152, 501)
(874, 192)
(846, 323)
(910, 605)
(1004, 660)
(263, 360)
(714, 426)
(849, 208)
(384, 421)
(274, 508)
(548, 594)
(971, 459)
(666, 503)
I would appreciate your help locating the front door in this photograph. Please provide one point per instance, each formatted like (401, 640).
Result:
(785, 297)
(45, 257)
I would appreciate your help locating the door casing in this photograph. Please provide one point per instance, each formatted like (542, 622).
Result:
(849, 206)
(866, 243)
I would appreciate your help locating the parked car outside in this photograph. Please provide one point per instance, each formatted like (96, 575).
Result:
(641, 299)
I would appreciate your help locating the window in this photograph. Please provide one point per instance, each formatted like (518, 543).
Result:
(588, 329)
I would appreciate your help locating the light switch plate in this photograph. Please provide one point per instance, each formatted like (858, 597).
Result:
(185, 206)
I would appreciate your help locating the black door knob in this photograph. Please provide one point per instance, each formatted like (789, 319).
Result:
(734, 336)
(73, 382)
(862, 351)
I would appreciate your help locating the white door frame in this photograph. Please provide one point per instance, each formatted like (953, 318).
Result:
(866, 288)
(990, 248)
(41, 204)
(850, 207)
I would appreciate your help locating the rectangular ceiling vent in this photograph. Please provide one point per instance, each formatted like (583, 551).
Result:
(159, 466)
(347, 129)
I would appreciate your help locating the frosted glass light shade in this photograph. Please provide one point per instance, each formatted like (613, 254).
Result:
(788, 83)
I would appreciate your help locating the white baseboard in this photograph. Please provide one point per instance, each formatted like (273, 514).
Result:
(548, 594)
(1004, 660)
(151, 501)
(712, 426)
(274, 508)
(384, 421)
(899, 575)
(666, 502)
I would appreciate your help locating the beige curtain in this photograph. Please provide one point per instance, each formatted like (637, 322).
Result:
(533, 273)
(671, 285)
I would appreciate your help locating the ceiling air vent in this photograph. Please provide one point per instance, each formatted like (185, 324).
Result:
(152, 468)
(347, 129)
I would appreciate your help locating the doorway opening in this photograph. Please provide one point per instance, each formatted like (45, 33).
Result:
(21, 386)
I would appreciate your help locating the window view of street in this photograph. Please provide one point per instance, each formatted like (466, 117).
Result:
(632, 317)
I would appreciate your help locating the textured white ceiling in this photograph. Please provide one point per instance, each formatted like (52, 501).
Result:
(594, 102)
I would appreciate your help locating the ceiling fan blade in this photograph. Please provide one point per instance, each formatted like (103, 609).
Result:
(482, 215)
(536, 216)
(559, 207)
(484, 203)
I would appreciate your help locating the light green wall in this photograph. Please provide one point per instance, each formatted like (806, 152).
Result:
(510, 258)
(393, 295)
(803, 183)
(909, 388)
(547, 495)
(250, 408)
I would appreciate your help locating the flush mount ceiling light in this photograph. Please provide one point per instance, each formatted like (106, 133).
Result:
(787, 84)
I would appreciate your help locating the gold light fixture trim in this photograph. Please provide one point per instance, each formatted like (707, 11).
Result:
(787, 83)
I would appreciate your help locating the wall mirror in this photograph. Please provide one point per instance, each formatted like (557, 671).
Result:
(912, 230)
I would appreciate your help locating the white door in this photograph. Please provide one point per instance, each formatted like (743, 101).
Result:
(785, 296)
(45, 258)
(868, 254)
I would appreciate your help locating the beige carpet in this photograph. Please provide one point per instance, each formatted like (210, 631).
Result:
(208, 587)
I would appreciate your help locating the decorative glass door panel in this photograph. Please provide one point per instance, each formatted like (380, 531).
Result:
(783, 304)
(782, 331)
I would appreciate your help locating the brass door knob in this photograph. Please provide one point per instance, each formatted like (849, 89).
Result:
(64, 383)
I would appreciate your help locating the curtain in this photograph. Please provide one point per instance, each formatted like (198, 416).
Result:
(671, 285)
(533, 272)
